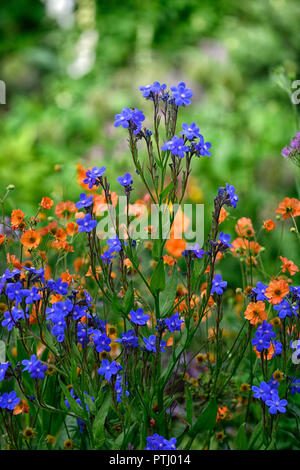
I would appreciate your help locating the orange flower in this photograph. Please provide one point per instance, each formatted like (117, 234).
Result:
(276, 291)
(255, 312)
(128, 263)
(50, 228)
(244, 228)
(46, 203)
(60, 234)
(2, 238)
(169, 260)
(12, 259)
(17, 219)
(222, 413)
(269, 225)
(175, 246)
(66, 277)
(31, 239)
(81, 175)
(288, 207)
(21, 407)
(242, 247)
(64, 209)
(289, 266)
(270, 354)
(78, 263)
(72, 228)
(223, 215)
(62, 245)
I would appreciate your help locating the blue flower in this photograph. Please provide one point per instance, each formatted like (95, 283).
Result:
(261, 341)
(60, 287)
(125, 180)
(278, 348)
(155, 89)
(119, 388)
(230, 198)
(85, 201)
(33, 296)
(86, 224)
(202, 148)
(150, 344)
(181, 94)
(266, 328)
(262, 391)
(34, 367)
(3, 368)
(139, 317)
(9, 400)
(14, 291)
(176, 146)
(218, 285)
(108, 369)
(194, 251)
(129, 339)
(157, 442)
(260, 290)
(123, 118)
(11, 318)
(190, 131)
(107, 256)
(284, 309)
(101, 341)
(93, 176)
(114, 244)
(224, 238)
(132, 118)
(295, 386)
(174, 323)
(275, 404)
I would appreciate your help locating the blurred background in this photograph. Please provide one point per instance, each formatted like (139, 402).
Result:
(70, 66)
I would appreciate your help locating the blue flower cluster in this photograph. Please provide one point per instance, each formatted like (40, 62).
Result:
(218, 285)
(93, 176)
(130, 118)
(194, 251)
(34, 367)
(9, 400)
(157, 442)
(178, 146)
(3, 369)
(228, 195)
(264, 337)
(268, 393)
(86, 223)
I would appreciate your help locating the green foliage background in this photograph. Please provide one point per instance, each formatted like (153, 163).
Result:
(238, 57)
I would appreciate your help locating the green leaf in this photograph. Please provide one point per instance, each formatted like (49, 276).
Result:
(158, 279)
(167, 297)
(156, 249)
(166, 190)
(206, 420)
(256, 433)
(128, 299)
(241, 438)
(98, 427)
(2, 352)
(116, 305)
(189, 405)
